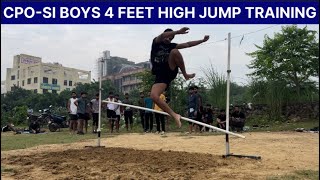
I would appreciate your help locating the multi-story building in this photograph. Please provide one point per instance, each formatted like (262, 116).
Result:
(111, 64)
(29, 72)
(126, 80)
(120, 71)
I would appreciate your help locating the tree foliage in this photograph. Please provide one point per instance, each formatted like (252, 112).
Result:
(291, 56)
(14, 104)
(147, 80)
(93, 88)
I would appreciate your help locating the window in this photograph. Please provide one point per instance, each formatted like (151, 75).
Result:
(45, 90)
(35, 80)
(18, 84)
(54, 81)
(65, 82)
(13, 77)
(45, 80)
(70, 83)
(35, 90)
(54, 91)
(18, 74)
(127, 78)
(22, 83)
(29, 81)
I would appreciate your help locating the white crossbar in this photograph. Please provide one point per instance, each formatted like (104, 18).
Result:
(184, 118)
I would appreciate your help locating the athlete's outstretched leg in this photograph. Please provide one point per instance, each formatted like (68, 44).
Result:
(156, 91)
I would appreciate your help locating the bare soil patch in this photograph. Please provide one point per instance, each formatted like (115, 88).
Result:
(174, 156)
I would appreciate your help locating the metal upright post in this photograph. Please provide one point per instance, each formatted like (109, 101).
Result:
(228, 94)
(227, 109)
(100, 96)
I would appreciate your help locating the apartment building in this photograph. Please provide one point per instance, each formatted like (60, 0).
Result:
(29, 72)
(126, 79)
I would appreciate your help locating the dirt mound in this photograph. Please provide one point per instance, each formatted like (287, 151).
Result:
(118, 163)
(174, 156)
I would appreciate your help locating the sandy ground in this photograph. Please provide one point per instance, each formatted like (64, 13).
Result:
(173, 156)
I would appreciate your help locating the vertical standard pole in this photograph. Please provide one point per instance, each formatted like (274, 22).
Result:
(228, 94)
(100, 96)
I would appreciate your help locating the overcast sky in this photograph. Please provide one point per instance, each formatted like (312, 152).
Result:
(79, 46)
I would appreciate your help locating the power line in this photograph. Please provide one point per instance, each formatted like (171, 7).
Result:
(242, 35)
(255, 31)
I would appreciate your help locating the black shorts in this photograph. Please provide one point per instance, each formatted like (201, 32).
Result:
(199, 116)
(95, 118)
(165, 75)
(81, 116)
(237, 122)
(87, 116)
(128, 117)
(111, 114)
(73, 117)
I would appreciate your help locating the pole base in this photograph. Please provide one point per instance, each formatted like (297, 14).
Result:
(242, 156)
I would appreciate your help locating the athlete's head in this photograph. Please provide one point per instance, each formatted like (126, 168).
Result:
(168, 40)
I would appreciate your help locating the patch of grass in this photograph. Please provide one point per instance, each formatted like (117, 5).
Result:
(7, 170)
(297, 175)
(283, 126)
(272, 127)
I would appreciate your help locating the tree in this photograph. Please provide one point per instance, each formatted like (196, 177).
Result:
(93, 88)
(291, 56)
(147, 80)
(15, 103)
(238, 94)
(17, 97)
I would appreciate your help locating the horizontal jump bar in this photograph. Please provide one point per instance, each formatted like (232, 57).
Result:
(184, 118)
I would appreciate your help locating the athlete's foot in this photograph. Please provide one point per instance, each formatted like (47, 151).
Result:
(189, 76)
(177, 119)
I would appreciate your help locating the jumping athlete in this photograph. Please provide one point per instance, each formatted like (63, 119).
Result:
(165, 60)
